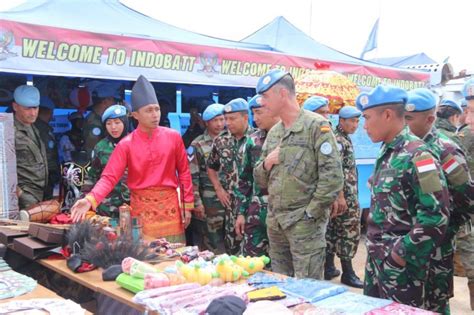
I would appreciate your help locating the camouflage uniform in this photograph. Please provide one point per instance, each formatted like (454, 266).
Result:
(93, 131)
(208, 233)
(226, 157)
(31, 164)
(49, 141)
(443, 125)
(301, 189)
(343, 232)
(252, 200)
(120, 194)
(409, 215)
(453, 161)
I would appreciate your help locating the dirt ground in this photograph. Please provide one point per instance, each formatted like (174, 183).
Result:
(459, 303)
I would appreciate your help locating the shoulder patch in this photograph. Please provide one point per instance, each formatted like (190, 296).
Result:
(428, 177)
(190, 152)
(96, 131)
(325, 129)
(326, 148)
(455, 172)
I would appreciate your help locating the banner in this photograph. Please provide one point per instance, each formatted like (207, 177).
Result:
(44, 50)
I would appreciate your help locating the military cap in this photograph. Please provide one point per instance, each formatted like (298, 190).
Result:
(463, 103)
(114, 111)
(212, 111)
(381, 95)
(349, 112)
(236, 105)
(46, 102)
(226, 305)
(420, 100)
(315, 102)
(451, 103)
(468, 89)
(269, 79)
(255, 101)
(143, 93)
(27, 96)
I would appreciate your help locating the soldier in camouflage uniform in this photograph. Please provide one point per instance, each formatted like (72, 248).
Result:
(115, 122)
(409, 210)
(343, 232)
(420, 117)
(226, 157)
(207, 224)
(94, 130)
(301, 168)
(31, 161)
(251, 199)
(449, 114)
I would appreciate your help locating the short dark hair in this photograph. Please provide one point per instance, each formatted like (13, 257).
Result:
(288, 83)
(398, 108)
(447, 111)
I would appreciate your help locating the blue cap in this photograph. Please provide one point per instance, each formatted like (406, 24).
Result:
(114, 111)
(451, 103)
(381, 95)
(315, 102)
(468, 89)
(27, 96)
(107, 90)
(420, 100)
(212, 111)
(349, 112)
(463, 103)
(46, 102)
(268, 80)
(255, 101)
(236, 105)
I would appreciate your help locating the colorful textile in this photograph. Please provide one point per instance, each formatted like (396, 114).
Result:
(14, 284)
(350, 303)
(51, 306)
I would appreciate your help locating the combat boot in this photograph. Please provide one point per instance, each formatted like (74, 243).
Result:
(330, 270)
(471, 293)
(348, 275)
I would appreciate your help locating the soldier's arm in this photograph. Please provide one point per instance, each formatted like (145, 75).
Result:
(195, 160)
(331, 179)
(432, 212)
(213, 166)
(243, 191)
(260, 174)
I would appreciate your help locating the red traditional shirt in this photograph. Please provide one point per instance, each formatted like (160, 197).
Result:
(158, 160)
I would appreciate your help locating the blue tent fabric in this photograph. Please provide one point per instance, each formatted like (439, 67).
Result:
(417, 59)
(110, 17)
(283, 36)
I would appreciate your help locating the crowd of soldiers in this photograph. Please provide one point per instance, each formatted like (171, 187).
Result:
(288, 189)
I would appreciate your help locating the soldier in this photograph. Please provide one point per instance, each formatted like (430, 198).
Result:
(301, 168)
(31, 161)
(317, 104)
(409, 209)
(449, 114)
(343, 231)
(45, 114)
(226, 157)
(420, 117)
(115, 122)
(251, 200)
(462, 120)
(207, 223)
(93, 129)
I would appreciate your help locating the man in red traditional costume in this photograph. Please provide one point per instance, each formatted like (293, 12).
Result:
(157, 165)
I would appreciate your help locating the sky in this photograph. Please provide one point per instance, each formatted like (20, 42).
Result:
(439, 28)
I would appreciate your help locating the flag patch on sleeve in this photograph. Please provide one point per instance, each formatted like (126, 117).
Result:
(425, 165)
(450, 165)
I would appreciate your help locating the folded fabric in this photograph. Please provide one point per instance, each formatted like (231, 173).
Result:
(267, 307)
(271, 293)
(264, 279)
(51, 306)
(352, 303)
(311, 290)
(13, 284)
(130, 283)
(397, 308)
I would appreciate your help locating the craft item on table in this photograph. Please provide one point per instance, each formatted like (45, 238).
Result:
(125, 220)
(261, 279)
(3, 265)
(271, 293)
(51, 306)
(199, 273)
(310, 309)
(290, 301)
(174, 276)
(352, 303)
(228, 271)
(227, 304)
(14, 284)
(251, 264)
(399, 309)
(41, 212)
(130, 283)
(138, 269)
(311, 290)
(156, 280)
(61, 218)
(143, 296)
(111, 273)
(100, 220)
(163, 243)
(76, 238)
(127, 264)
(267, 307)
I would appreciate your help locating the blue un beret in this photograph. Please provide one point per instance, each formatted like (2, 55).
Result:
(381, 95)
(114, 111)
(451, 103)
(236, 105)
(349, 112)
(468, 89)
(420, 100)
(270, 79)
(46, 102)
(27, 96)
(255, 101)
(463, 103)
(315, 102)
(212, 111)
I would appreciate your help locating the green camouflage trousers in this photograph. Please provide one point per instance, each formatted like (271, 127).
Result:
(343, 234)
(465, 248)
(231, 240)
(439, 285)
(299, 250)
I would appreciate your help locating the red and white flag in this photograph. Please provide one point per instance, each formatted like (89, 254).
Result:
(450, 165)
(425, 165)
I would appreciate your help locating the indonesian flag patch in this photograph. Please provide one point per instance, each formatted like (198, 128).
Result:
(450, 165)
(425, 165)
